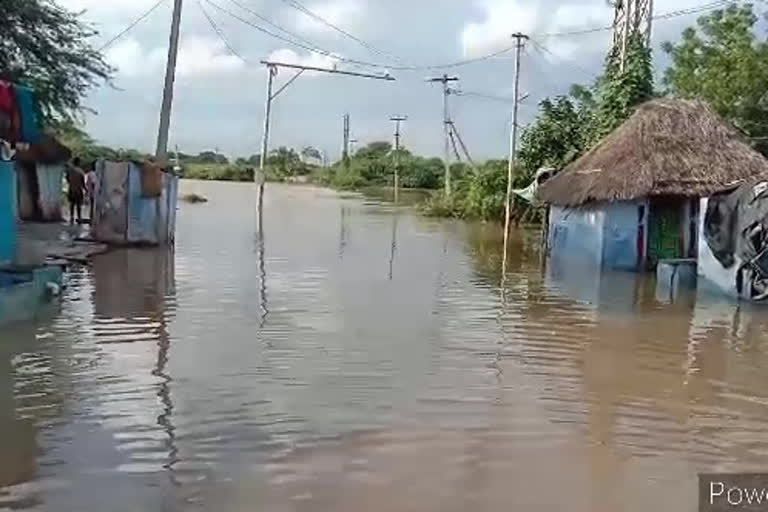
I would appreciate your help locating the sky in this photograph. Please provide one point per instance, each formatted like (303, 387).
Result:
(220, 86)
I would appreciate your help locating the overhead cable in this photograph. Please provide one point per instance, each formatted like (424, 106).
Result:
(296, 4)
(664, 16)
(131, 26)
(220, 33)
(300, 42)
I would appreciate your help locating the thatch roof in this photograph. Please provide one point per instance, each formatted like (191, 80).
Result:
(667, 147)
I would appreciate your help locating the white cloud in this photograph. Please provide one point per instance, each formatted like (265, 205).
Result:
(206, 57)
(503, 17)
(199, 57)
(127, 56)
(289, 56)
(342, 13)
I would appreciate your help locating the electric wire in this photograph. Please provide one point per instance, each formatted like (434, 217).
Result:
(130, 26)
(296, 4)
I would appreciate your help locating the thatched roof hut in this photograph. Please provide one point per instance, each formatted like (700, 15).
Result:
(667, 147)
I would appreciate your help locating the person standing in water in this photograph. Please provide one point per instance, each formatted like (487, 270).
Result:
(76, 193)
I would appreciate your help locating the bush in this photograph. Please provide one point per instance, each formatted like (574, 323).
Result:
(218, 172)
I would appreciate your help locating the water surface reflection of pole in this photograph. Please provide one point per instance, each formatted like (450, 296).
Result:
(264, 310)
(393, 245)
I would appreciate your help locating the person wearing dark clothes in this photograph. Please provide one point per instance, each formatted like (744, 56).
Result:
(76, 193)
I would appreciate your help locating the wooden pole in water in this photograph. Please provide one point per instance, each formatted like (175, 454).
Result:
(520, 41)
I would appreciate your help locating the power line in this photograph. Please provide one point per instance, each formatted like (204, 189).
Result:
(541, 48)
(311, 47)
(274, 25)
(131, 26)
(664, 16)
(221, 34)
(307, 45)
(302, 8)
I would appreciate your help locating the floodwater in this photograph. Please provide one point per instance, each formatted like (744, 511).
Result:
(367, 358)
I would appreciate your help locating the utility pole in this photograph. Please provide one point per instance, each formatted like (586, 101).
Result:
(259, 176)
(445, 80)
(170, 77)
(352, 142)
(397, 120)
(520, 40)
(272, 68)
(345, 139)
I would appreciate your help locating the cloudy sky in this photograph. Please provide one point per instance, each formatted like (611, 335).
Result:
(219, 96)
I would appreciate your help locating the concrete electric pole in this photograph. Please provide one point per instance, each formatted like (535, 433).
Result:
(445, 80)
(519, 43)
(170, 77)
(397, 120)
(272, 68)
(345, 139)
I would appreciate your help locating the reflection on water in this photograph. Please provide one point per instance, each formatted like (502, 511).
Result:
(290, 371)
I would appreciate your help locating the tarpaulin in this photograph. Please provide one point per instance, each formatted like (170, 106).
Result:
(736, 231)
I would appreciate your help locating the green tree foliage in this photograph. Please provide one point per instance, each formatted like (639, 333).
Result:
(619, 92)
(209, 157)
(560, 133)
(285, 162)
(722, 62)
(47, 47)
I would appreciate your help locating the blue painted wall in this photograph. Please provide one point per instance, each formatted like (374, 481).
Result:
(602, 235)
(576, 235)
(8, 234)
(620, 235)
(151, 220)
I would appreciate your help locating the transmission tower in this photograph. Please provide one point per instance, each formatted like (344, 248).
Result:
(630, 17)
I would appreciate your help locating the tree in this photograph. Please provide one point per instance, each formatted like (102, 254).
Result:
(620, 91)
(311, 153)
(560, 133)
(722, 62)
(211, 157)
(374, 150)
(47, 47)
(286, 162)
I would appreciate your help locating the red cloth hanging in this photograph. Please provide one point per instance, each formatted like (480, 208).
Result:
(10, 117)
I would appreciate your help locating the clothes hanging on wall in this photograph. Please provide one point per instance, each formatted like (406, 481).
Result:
(10, 119)
(29, 113)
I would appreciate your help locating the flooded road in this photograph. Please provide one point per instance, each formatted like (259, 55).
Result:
(366, 358)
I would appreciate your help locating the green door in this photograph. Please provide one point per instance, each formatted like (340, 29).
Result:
(664, 235)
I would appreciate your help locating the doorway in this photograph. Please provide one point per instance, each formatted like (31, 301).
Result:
(665, 240)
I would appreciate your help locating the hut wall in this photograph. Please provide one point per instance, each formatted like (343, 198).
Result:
(26, 198)
(8, 229)
(624, 236)
(123, 215)
(605, 235)
(576, 234)
(50, 179)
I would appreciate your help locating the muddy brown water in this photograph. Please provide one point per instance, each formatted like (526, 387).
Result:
(367, 358)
